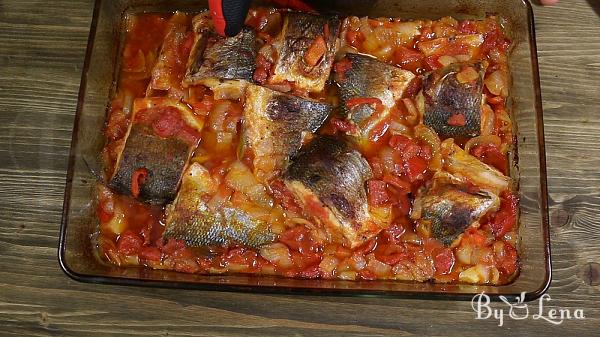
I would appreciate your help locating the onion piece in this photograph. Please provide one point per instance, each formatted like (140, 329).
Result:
(482, 140)
(278, 254)
(426, 135)
(497, 83)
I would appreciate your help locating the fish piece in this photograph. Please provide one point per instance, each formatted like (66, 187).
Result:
(367, 79)
(449, 206)
(453, 100)
(215, 58)
(328, 179)
(305, 48)
(199, 223)
(160, 139)
(170, 68)
(275, 126)
(461, 164)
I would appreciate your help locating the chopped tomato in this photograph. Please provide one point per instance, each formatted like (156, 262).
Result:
(403, 203)
(355, 38)
(506, 218)
(444, 261)
(263, 69)
(366, 247)
(171, 246)
(407, 58)
(137, 180)
(150, 254)
(457, 120)
(203, 107)
(415, 167)
(343, 125)
(129, 243)
(399, 142)
(393, 233)
(315, 51)
(168, 123)
(432, 63)
(508, 264)
(284, 196)
(299, 239)
(491, 155)
(390, 253)
(367, 275)
(397, 182)
(377, 192)
(466, 27)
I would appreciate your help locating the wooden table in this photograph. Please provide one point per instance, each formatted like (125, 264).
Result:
(42, 45)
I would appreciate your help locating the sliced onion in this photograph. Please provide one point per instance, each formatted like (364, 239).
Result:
(278, 254)
(241, 179)
(497, 83)
(482, 140)
(488, 119)
(426, 135)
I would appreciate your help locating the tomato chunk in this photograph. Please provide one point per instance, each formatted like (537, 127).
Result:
(377, 192)
(129, 243)
(444, 261)
(315, 51)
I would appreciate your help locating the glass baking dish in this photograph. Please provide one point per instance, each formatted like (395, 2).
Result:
(76, 254)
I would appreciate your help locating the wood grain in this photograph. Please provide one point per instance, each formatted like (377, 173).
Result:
(42, 45)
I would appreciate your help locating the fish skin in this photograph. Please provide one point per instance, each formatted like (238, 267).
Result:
(370, 78)
(189, 217)
(331, 173)
(298, 32)
(449, 207)
(445, 96)
(218, 58)
(164, 158)
(274, 124)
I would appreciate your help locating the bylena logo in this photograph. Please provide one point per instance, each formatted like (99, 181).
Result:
(520, 310)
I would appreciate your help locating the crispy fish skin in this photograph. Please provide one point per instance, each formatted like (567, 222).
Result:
(192, 220)
(328, 178)
(448, 207)
(163, 158)
(275, 125)
(298, 33)
(445, 96)
(370, 78)
(215, 58)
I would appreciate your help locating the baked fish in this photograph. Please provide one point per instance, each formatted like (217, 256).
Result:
(275, 126)
(151, 164)
(199, 222)
(215, 58)
(365, 85)
(328, 178)
(170, 68)
(304, 50)
(448, 206)
(453, 100)
(459, 163)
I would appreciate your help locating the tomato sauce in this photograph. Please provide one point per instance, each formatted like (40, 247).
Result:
(130, 232)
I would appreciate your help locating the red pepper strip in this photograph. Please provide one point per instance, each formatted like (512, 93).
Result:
(365, 100)
(294, 4)
(137, 179)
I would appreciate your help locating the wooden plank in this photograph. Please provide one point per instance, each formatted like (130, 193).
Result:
(42, 44)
